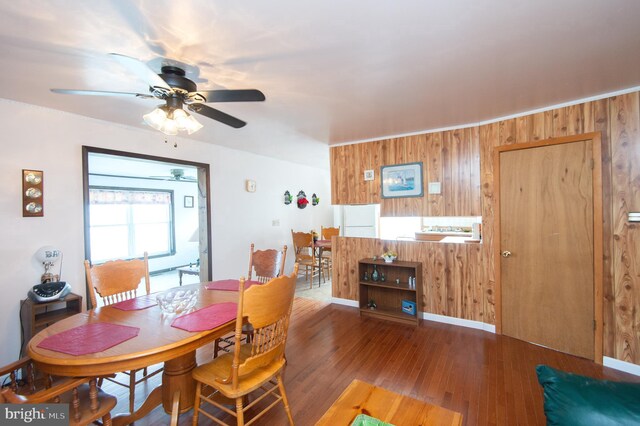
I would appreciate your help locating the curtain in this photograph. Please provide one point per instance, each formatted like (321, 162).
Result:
(120, 196)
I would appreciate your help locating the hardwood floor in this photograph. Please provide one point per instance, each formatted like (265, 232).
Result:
(490, 379)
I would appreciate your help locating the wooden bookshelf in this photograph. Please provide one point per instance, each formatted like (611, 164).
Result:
(389, 294)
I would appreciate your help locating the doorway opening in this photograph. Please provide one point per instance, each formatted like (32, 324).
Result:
(137, 203)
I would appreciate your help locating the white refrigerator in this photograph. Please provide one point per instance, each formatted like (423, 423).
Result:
(360, 220)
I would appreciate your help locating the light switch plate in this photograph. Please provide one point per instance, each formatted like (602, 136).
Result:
(250, 185)
(368, 175)
(435, 188)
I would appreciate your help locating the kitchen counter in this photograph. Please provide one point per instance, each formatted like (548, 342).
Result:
(445, 237)
(457, 240)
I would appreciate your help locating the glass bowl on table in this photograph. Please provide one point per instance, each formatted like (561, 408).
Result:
(177, 302)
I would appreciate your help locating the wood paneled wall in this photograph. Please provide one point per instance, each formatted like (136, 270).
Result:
(450, 157)
(444, 268)
(460, 280)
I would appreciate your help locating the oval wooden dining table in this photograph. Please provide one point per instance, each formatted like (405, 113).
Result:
(157, 341)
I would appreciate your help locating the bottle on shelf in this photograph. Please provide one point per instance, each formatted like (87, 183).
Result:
(411, 282)
(375, 275)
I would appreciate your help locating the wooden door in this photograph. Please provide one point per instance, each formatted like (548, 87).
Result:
(547, 246)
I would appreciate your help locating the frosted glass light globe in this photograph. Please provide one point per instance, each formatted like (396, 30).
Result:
(48, 254)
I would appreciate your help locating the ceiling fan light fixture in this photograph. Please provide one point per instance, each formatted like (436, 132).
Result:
(185, 121)
(192, 125)
(170, 127)
(172, 120)
(156, 118)
(180, 117)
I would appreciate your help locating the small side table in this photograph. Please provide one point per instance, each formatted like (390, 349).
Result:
(188, 270)
(38, 316)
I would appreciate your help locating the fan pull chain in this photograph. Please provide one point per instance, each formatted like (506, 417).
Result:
(175, 143)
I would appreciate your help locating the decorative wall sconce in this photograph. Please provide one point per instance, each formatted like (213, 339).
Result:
(288, 198)
(302, 200)
(32, 197)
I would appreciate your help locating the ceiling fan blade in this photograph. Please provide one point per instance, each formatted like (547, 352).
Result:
(220, 116)
(99, 93)
(246, 95)
(141, 69)
(175, 178)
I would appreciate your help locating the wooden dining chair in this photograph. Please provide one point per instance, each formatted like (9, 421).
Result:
(116, 281)
(326, 234)
(87, 402)
(255, 367)
(305, 254)
(266, 264)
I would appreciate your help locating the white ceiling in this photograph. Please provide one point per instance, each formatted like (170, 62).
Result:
(332, 71)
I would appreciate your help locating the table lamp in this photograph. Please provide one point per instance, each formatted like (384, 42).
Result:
(195, 238)
(49, 256)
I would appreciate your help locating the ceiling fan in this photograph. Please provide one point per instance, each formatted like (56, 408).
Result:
(176, 91)
(177, 175)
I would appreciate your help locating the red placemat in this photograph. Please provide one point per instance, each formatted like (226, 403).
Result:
(229, 285)
(207, 318)
(142, 302)
(89, 338)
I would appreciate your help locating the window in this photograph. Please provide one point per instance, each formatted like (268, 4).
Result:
(127, 222)
(392, 228)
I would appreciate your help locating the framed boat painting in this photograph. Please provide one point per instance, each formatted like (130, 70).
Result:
(402, 180)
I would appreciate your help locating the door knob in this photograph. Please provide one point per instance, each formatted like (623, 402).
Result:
(506, 253)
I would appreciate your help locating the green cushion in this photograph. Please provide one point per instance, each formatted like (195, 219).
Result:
(571, 399)
(364, 420)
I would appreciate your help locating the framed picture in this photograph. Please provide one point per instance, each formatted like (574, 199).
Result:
(402, 180)
(188, 201)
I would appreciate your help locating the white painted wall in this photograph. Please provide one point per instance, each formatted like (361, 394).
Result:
(49, 140)
(241, 218)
